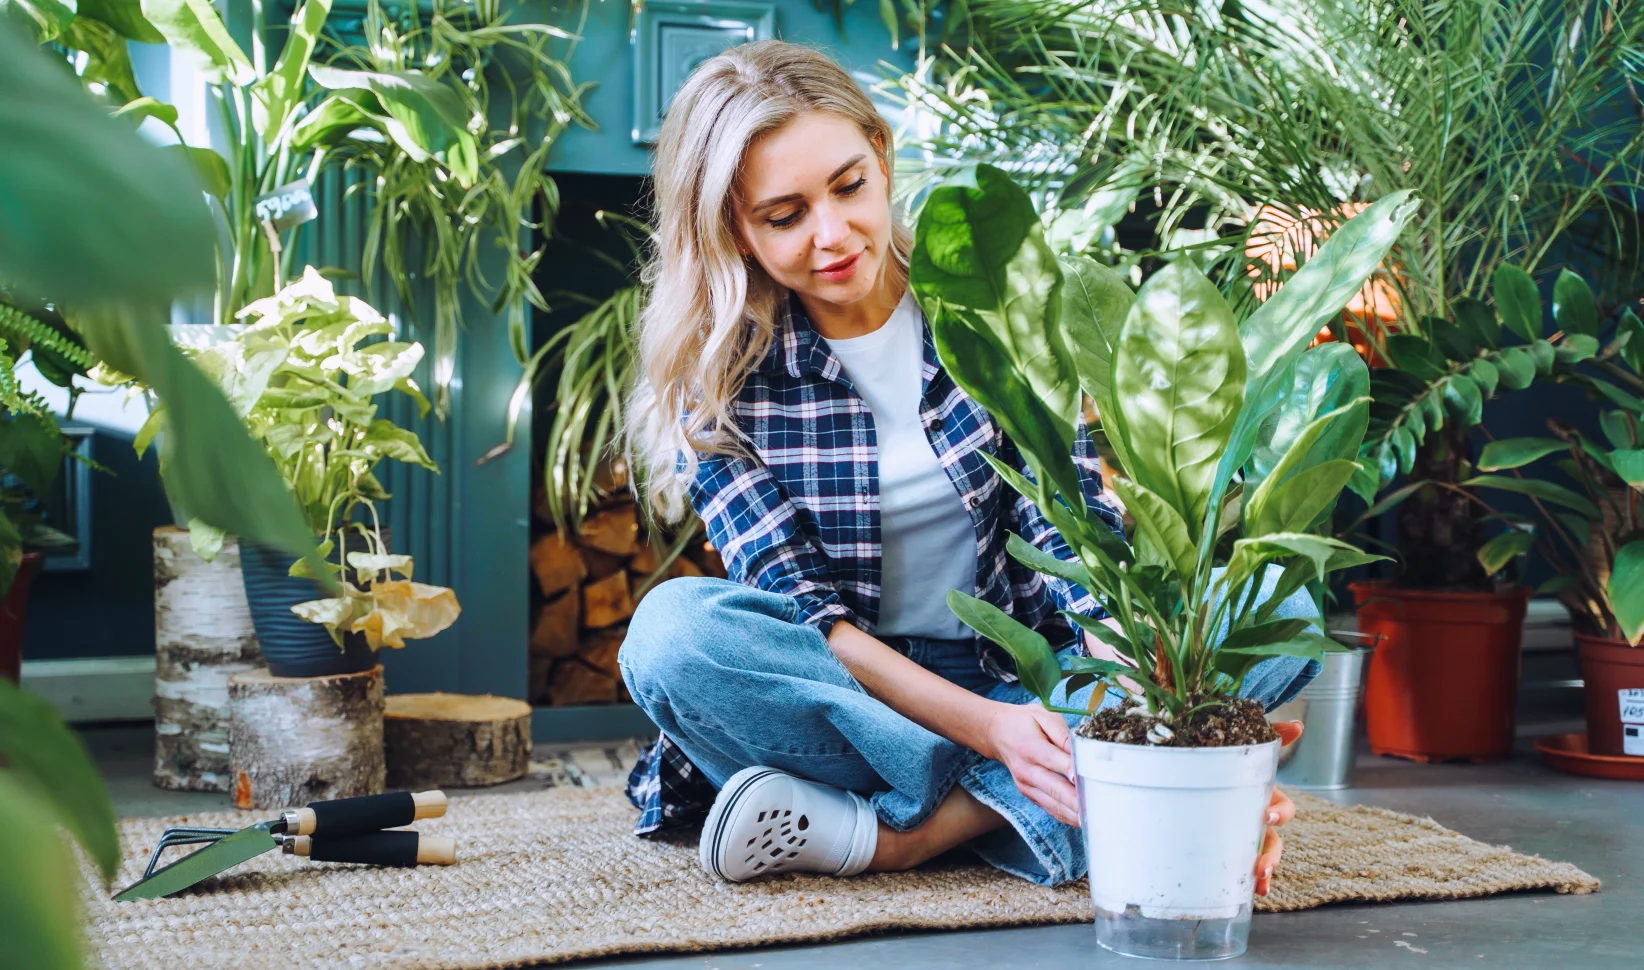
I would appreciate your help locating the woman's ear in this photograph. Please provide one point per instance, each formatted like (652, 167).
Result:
(878, 141)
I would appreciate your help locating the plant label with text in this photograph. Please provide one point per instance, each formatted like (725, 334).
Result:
(286, 207)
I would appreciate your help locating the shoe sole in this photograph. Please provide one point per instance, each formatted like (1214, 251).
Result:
(713, 829)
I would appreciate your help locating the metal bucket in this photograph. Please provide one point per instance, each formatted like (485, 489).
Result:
(1323, 757)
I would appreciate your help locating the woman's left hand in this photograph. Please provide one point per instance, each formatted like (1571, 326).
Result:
(1279, 811)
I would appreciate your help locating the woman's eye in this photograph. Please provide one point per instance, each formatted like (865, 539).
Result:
(855, 186)
(785, 221)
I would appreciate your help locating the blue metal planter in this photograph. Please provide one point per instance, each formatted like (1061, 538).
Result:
(292, 646)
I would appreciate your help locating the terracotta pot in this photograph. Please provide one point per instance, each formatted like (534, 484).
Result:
(1609, 667)
(1443, 683)
(13, 614)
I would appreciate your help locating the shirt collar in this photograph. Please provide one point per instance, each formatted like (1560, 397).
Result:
(798, 349)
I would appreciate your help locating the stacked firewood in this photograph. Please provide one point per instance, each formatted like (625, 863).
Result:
(586, 587)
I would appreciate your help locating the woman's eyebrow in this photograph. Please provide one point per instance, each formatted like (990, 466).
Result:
(796, 197)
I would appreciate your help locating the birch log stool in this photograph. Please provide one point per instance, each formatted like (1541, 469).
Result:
(202, 636)
(295, 740)
(455, 740)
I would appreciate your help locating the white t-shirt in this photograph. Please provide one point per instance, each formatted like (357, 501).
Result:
(928, 539)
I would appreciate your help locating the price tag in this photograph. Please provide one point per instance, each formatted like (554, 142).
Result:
(288, 206)
(1632, 739)
(1632, 706)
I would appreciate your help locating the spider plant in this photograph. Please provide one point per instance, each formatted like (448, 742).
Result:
(1213, 439)
(435, 215)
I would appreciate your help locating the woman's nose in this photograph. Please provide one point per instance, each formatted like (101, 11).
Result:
(832, 228)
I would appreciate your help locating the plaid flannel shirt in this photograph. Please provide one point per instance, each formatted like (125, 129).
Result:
(801, 517)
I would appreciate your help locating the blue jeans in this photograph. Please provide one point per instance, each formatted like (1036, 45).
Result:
(730, 676)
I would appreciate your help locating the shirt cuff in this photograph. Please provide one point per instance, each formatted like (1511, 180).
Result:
(823, 612)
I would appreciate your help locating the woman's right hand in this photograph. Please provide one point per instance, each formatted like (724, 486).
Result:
(1035, 745)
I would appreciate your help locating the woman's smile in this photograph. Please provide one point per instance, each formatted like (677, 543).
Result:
(842, 270)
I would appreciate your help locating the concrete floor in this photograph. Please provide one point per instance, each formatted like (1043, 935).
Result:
(1598, 825)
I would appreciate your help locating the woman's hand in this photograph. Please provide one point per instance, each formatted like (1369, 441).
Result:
(1279, 811)
(1035, 745)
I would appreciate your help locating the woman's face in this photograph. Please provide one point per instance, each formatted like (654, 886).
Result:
(813, 207)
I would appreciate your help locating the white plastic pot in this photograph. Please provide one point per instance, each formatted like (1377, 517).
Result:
(1172, 836)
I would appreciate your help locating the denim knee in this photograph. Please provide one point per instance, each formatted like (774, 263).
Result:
(659, 637)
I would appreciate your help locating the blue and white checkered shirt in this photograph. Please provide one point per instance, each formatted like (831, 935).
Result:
(801, 517)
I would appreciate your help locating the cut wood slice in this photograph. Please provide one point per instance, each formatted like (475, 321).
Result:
(295, 740)
(607, 601)
(555, 632)
(455, 740)
(614, 530)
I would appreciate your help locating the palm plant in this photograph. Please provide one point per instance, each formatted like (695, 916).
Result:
(1516, 123)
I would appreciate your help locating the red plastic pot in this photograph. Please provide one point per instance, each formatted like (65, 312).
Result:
(1443, 683)
(1609, 667)
(13, 615)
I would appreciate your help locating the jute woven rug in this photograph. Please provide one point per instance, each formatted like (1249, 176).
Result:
(545, 877)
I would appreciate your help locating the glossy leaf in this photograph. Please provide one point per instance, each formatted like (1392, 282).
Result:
(1300, 501)
(193, 28)
(1518, 302)
(1463, 399)
(1633, 352)
(1626, 590)
(981, 250)
(1501, 550)
(1517, 368)
(1575, 348)
(1272, 631)
(1108, 635)
(1036, 662)
(1517, 452)
(145, 107)
(1629, 464)
(428, 117)
(1413, 354)
(31, 447)
(1485, 375)
(1327, 378)
(1535, 488)
(210, 167)
(39, 749)
(1477, 323)
(1038, 560)
(1574, 310)
(125, 16)
(1618, 428)
(1178, 379)
(92, 211)
(1095, 301)
(1161, 524)
(39, 885)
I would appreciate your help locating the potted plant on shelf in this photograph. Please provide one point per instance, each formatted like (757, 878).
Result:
(1448, 625)
(32, 449)
(303, 378)
(1189, 399)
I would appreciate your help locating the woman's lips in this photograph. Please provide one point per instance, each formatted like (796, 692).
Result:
(840, 271)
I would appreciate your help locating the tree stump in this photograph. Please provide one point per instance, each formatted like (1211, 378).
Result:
(295, 740)
(459, 740)
(202, 637)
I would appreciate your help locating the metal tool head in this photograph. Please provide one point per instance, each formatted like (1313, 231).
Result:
(228, 849)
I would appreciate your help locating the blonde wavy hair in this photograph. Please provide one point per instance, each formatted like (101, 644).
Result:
(710, 315)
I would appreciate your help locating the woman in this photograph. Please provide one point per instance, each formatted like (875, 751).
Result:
(790, 390)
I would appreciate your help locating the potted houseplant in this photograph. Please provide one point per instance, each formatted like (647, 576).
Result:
(1227, 473)
(1444, 683)
(1588, 525)
(31, 455)
(304, 380)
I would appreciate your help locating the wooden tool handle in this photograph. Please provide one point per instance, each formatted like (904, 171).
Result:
(399, 848)
(367, 813)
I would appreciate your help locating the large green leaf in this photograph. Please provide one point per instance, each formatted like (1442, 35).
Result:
(1574, 310)
(1300, 501)
(193, 28)
(39, 749)
(1038, 560)
(89, 210)
(1035, 660)
(1517, 452)
(1518, 302)
(39, 885)
(31, 448)
(1095, 301)
(274, 95)
(1324, 554)
(125, 16)
(1626, 590)
(398, 443)
(1178, 381)
(214, 471)
(1162, 525)
(981, 250)
(1501, 550)
(427, 116)
(1326, 378)
(106, 60)
(340, 114)
(1536, 488)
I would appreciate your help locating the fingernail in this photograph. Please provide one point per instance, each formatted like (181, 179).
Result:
(1273, 818)
(1267, 874)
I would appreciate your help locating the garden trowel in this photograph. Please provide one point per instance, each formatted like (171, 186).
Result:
(343, 830)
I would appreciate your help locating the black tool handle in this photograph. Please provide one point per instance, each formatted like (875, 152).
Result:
(378, 849)
(367, 813)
